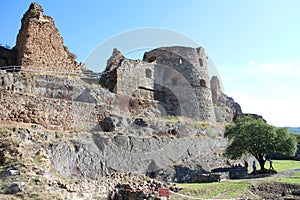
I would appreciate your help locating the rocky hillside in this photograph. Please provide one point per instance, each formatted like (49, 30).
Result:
(31, 169)
(59, 131)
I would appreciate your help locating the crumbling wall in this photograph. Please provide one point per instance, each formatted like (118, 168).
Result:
(55, 114)
(226, 109)
(215, 89)
(47, 100)
(127, 77)
(39, 45)
(183, 70)
(135, 78)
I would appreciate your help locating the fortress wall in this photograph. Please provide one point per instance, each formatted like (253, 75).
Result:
(54, 114)
(184, 65)
(39, 44)
(135, 78)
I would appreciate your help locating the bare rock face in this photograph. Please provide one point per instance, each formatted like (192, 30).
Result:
(39, 45)
(226, 109)
(90, 156)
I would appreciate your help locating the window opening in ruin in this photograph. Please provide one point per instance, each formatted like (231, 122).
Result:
(180, 61)
(201, 62)
(152, 59)
(148, 73)
(202, 83)
(2, 81)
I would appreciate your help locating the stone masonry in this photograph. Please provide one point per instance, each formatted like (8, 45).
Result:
(127, 77)
(182, 74)
(54, 114)
(39, 46)
(176, 77)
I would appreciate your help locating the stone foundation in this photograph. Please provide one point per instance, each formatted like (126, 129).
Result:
(54, 114)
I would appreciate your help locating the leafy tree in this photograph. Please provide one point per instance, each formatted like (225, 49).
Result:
(254, 136)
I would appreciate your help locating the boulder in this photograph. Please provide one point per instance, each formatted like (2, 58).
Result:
(15, 188)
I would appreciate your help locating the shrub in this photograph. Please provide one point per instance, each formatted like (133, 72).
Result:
(70, 54)
(33, 13)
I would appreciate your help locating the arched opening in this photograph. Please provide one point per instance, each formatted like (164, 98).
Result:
(168, 100)
(202, 83)
(180, 61)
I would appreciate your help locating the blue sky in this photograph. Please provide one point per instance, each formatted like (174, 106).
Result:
(254, 44)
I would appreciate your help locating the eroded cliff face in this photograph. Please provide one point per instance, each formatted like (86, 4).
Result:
(93, 156)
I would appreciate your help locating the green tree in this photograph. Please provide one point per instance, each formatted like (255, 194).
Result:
(254, 136)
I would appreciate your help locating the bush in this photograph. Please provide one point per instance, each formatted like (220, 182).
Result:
(33, 13)
(297, 136)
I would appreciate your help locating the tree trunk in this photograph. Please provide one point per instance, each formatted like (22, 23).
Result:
(262, 162)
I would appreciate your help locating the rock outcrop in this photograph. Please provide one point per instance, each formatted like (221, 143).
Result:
(225, 108)
(93, 156)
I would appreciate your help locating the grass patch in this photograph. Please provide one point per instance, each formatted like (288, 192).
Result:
(294, 179)
(238, 189)
(284, 165)
(195, 124)
(221, 190)
(6, 129)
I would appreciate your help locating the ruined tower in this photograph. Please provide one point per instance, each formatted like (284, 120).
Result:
(182, 82)
(39, 45)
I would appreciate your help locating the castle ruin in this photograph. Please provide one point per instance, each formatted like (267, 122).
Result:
(39, 46)
(176, 77)
(122, 111)
(168, 81)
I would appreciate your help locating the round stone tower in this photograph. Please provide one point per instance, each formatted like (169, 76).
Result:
(183, 70)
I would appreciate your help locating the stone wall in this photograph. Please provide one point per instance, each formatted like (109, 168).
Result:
(53, 102)
(189, 62)
(184, 68)
(86, 105)
(39, 45)
(176, 77)
(127, 77)
(135, 78)
(52, 114)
